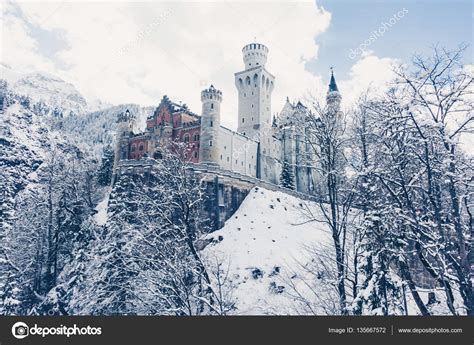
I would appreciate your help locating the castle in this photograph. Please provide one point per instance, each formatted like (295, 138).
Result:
(259, 146)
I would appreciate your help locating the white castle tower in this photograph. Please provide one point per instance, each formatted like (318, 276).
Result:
(255, 85)
(210, 125)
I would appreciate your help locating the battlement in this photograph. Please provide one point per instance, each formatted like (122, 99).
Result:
(254, 55)
(211, 94)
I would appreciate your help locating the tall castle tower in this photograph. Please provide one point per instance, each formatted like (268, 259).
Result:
(210, 125)
(255, 85)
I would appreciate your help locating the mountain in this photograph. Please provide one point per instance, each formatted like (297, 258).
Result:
(26, 141)
(89, 125)
(61, 97)
(96, 129)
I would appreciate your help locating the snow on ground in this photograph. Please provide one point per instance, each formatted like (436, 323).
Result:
(101, 216)
(262, 245)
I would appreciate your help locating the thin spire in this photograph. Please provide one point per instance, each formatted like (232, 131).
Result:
(332, 83)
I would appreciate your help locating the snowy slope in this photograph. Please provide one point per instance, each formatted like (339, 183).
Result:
(265, 247)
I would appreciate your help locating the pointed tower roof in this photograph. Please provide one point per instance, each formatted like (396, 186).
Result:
(332, 83)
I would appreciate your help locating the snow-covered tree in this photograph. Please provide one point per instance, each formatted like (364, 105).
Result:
(104, 175)
(287, 178)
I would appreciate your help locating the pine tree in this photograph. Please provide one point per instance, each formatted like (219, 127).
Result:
(104, 176)
(287, 178)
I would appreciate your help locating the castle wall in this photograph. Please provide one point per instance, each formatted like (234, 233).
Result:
(138, 147)
(237, 152)
(190, 136)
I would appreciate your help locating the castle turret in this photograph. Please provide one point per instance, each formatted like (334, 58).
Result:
(210, 125)
(333, 97)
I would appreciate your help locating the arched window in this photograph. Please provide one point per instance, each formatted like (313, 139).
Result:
(241, 82)
(255, 80)
(186, 138)
(134, 147)
(263, 80)
(140, 148)
(210, 142)
(247, 80)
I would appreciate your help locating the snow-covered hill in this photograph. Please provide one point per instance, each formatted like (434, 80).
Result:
(266, 245)
(277, 263)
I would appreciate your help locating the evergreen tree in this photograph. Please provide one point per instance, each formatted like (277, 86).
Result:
(287, 178)
(104, 176)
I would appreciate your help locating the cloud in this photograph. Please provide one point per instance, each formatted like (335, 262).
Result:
(124, 52)
(370, 72)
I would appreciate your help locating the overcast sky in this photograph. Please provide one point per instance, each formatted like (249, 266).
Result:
(122, 52)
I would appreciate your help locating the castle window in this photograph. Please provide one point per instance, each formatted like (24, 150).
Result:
(140, 148)
(243, 120)
(186, 138)
(134, 148)
(212, 105)
(227, 158)
(247, 80)
(221, 157)
(196, 137)
(212, 124)
(195, 154)
(242, 163)
(210, 142)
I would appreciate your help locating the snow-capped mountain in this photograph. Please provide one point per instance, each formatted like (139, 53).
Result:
(54, 92)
